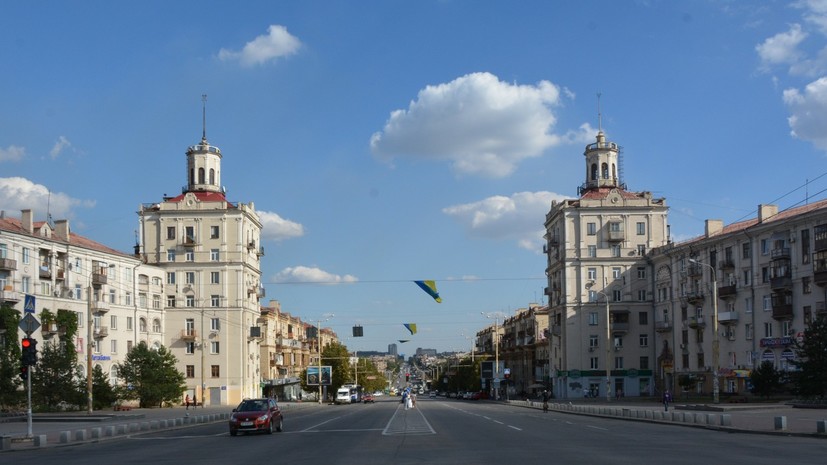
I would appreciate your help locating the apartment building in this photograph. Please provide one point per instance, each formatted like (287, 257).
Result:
(524, 349)
(209, 251)
(737, 296)
(117, 298)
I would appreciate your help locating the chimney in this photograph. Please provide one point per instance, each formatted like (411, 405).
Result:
(713, 227)
(766, 212)
(26, 221)
(62, 229)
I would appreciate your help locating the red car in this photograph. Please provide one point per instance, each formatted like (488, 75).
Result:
(368, 398)
(254, 415)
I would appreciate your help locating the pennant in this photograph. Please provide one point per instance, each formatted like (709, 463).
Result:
(430, 288)
(411, 327)
(404, 340)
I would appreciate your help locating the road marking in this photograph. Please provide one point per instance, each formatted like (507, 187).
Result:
(514, 427)
(410, 421)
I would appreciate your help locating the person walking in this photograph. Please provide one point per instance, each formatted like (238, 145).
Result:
(667, 398)
(545, 401)
(187, 401)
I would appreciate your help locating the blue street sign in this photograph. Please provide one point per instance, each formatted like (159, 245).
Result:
(28, 306)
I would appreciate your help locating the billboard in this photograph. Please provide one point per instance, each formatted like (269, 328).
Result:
(313, 375)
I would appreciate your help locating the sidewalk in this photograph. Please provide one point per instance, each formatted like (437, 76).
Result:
(767, 418)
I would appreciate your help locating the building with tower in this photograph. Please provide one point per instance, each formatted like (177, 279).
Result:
(600, 285)
(210, 253)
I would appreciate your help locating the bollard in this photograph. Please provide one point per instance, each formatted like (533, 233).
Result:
(821, 426)
(80, 435)
(122, 429)
(5, 442)
(95, 433)
(40, 440)
(109, 431)
(154, 424)
(780, 423)
(65, 437)
(726, 419)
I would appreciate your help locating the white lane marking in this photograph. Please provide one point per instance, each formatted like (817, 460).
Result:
(514, 427)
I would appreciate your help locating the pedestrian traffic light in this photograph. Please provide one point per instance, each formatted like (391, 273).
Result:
(28, 351)
(24, 372)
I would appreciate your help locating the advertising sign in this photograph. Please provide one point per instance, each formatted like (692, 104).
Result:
(313, 375)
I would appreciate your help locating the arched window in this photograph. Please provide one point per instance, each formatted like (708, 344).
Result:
(113, 375)
(594, 172)
(212, 176)
(156, 325)
(192, 176)
(142, 325)
(605, 170)
(614, 171)
(201, 175)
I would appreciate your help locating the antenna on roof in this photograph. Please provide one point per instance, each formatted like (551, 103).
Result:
(49, 209)
(599, 116)
(204, 116)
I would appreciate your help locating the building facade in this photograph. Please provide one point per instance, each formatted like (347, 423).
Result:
(209, 250)
(117, 299)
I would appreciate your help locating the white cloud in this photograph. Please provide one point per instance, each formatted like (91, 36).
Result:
(782, 48)
(304, 274)
(61, 144)
(518, 217)
(808, 112)
(19, 194)
(481, 125)
(276, 228)
(12, 153)
(276, 44)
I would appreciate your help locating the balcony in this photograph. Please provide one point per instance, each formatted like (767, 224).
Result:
(664, 326)
(820, 271)
(694, 270)
(99, 306)
(696, 321)
(780, 253)
(728, 317)
(693, 298)
(45, 272)
(616, 236)
(8, 264)
(189, 334)
(622, 327)
(781, 282)
(188, 241)
(98, 279)
(8, 295)
(726, 264)
(782, 306)
(101, 332)
(725, 292)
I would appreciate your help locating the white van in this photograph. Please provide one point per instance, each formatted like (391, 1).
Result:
(343, 395)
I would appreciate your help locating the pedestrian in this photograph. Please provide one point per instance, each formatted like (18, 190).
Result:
(187, 401)
(545, 401)
(667, 397)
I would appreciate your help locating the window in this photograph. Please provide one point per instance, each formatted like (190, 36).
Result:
(171, 255)
(593, 365)
(641, 249)
(113, 346)
(616, 250)
(214, 255)
(189, 324)
(189, 256)
(190, 277)
(765, 247)
(142, 300)
(26, 284)
(644, 340)
(765, 274)
(190, 371)
(592, 318)
(592, 251)
(213, 232)
(748, 305)
(641, 229)
(214, 277)
(26, 255)
(767, 329)
(787, 328)
(618, 342)
(616, 272)
(214, 347)
(171, 301)
(593, 341)
(156, 301)
(747, 278)
(641, 272)
(142, 325)
(592, 296)
(129, 323)
(214, 371)
(644, 363)
(171, 277)
(617, 295)
(805, 246)
(127, 298)
(767, 303)
(641, 295)
(129, 345)
(156, 325)
(170, 232)
(190, 347)
(112, 296)
(190, 301)
(745, 250)
(189, 234)
(215, 324)
(215, 301)
(806, 285)
(592, 274)
(618, 363)
(113, 322)
(591, 229)
(643, 318)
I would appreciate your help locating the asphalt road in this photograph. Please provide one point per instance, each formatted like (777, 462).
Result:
(438, 431)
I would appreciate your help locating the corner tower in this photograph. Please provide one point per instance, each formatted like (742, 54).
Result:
(203, 161)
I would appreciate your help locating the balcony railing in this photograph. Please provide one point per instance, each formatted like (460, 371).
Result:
(779, 253)
(98, 279)
(100, 306)
(727, 264)
(663, 326)
(101, 332)
(781, 282)
(8, 264)
(8, 295)
(696, 321)
(728, 317)
(727, 291)
(189, 334)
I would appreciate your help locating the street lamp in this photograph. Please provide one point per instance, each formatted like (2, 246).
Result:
(608, 342)
(716, 389)
(319, 343)
(90, 319)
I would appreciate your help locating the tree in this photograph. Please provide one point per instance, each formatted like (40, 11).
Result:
(55, 380)
(10, 395)
(811, 378)
(150, 376)
(336, 356)
(766, 380)
(103, 394)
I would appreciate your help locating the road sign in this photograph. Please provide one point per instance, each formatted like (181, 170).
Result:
(29, 324)
(28, 306)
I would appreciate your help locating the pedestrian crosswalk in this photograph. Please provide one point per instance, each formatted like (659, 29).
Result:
(410, 421)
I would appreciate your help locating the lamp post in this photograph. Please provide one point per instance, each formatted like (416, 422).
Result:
(319, 343)
(716, 388)
(496, 349)
(89, 334)
(608, 343)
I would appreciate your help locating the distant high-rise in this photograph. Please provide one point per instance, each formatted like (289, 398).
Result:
(392, 350)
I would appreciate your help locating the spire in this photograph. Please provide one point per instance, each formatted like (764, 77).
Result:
(204, 118)
(599, 115)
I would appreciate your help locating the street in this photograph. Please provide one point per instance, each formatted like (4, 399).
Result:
(439, 431)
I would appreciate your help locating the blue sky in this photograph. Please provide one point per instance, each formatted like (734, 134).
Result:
(390, 141)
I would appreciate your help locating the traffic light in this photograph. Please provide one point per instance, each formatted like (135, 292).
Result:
(29, 351)
(407, 376)
(24, 372)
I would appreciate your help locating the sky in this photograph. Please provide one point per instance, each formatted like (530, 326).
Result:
(389, 141)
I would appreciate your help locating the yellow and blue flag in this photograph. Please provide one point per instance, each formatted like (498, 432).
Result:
(430, 288)
(411, 327)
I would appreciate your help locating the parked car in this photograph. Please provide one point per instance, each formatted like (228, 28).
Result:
(254, 415)
(368, 398)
